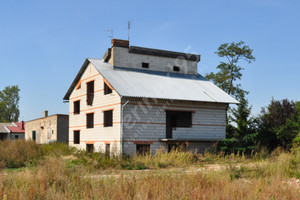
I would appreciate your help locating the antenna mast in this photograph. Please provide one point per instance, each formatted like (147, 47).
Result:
(129, 23)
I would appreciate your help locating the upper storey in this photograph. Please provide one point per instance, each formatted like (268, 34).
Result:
(123, 55)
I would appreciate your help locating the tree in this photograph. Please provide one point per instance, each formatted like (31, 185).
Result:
(243, 136)
(279, 123)
(241, 116)
(9, 104)
(230, 71)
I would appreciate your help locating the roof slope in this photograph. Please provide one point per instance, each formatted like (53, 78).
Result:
(160, 85)
(3, 128)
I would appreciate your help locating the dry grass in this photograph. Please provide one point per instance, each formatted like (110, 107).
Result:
(240, 177)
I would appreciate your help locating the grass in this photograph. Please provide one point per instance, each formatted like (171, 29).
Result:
(59, 172)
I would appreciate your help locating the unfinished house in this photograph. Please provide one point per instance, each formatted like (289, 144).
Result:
(137, 100)
(12, 131)
(48, 129)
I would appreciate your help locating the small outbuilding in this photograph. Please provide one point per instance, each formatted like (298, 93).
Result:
(53, 128)
(12, 131)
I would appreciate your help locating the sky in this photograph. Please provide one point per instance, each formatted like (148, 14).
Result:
(44, 43)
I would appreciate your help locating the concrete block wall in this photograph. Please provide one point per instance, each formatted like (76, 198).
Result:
(46, 129)
(145, 120)
(99, 135)
(122, 58)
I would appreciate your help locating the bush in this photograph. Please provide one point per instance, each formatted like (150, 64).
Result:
(19, 153)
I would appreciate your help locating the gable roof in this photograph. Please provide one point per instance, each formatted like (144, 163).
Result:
(14, 127)
(152, 84)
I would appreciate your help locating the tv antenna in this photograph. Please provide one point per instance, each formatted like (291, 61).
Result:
(129, 27)
(111, 33)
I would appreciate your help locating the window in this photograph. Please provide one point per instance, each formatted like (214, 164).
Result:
(107, 89)
(176, 69)
(145, 65)
(108, 118)
(90, 120)
(33, 135)
(90, 93)
(143, 149)
(76, 136)
(76, 107)
(16, 137)
(90, 148)
(176, 119)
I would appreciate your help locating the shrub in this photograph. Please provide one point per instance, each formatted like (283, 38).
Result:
(19, 153)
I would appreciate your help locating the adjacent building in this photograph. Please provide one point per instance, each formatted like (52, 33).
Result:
(12, 131)
(136, 100)
(53, 128)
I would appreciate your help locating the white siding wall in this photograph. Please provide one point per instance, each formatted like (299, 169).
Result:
(99, 135)
(148, 123)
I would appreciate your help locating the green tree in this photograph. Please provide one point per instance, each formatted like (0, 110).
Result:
(9, 104)
(241, 116)
(230, 71)
(279, 124)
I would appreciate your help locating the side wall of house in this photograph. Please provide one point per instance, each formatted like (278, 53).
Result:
(145, 123)
(63, 128)
(98, 136)
(45, 129)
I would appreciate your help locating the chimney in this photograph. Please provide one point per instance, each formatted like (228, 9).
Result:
(22, 125)
(45, 113)
(119, 43)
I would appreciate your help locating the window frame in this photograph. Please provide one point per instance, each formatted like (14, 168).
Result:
(77, 141)
(90, 90)
(145, 65)
(106, 122)
(176, 68)
(90, 125)
(76, 111)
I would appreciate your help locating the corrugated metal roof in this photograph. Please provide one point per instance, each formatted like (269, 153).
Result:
(161, 85)
(3, 128)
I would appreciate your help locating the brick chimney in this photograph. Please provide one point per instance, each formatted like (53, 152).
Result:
(45, 113)
(119, 43)
(22, 125)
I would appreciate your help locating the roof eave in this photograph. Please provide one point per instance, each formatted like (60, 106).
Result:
(77, 78)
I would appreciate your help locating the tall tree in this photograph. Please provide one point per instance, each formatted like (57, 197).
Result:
(9, 104)
(241, 116)
(230, 71)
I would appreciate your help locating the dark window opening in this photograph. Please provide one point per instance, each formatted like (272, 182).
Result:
(107, 89)
(108, 118)
(16, 137)
(107, 150)
(33, 135)
(90, 120)
(90, 148)
(176, 69)
(176, 119)
(142, 149)
(76, 135)
(145, 65)
(90, 93)
(76, 107)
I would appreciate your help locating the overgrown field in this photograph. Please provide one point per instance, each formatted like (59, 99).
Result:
(55, 171)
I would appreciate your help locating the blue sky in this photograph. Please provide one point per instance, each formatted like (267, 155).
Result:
(44, 43)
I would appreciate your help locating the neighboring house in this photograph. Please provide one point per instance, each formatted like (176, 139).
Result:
(54, 128)
(136, 99)
(12, 131)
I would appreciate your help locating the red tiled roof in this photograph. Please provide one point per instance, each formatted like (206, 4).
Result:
(17, 129)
